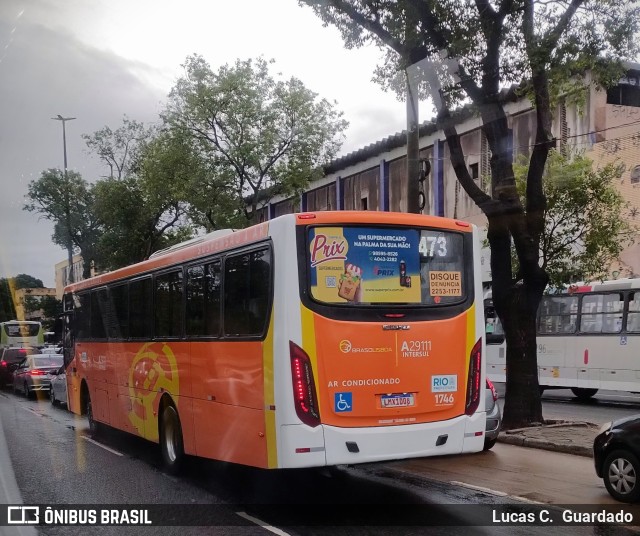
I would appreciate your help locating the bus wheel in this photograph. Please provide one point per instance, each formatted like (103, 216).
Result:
(583, 393)
(94, 426)
(171, 444)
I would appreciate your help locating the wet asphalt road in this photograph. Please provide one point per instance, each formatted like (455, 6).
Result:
(55, 463)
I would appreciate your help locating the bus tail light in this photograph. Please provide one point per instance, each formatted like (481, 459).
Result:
(473, 381)
(304, 390)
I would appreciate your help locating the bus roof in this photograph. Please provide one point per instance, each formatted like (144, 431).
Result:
(218, 241)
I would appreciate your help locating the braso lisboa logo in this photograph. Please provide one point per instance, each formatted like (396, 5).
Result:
(347, 348)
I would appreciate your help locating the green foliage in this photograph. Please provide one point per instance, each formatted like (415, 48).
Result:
(261, 135)
(119, 149)
(66, 200)
(585, 225)
(27, 281)
(208, 194)
(7, 306)
(596, 38)
(49, 305)
(135, 216)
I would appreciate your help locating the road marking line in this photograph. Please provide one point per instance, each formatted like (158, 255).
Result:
(495, 492)
(257, 521)
(479, 488)
(101, 445)
(32, 411)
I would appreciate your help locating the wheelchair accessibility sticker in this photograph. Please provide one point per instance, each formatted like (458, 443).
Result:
(342, 402)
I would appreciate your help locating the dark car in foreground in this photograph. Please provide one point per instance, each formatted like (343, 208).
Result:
(616, 454)
(10, 358)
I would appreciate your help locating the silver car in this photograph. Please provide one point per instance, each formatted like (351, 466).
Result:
(34, 373)
(58, 391)
(494, 417)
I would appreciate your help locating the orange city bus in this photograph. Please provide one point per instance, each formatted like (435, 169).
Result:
(312, 339)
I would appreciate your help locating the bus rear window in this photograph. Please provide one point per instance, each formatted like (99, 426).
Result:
(21, 330)
(381, 266)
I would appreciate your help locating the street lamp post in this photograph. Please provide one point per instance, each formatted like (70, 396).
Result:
(67, 207)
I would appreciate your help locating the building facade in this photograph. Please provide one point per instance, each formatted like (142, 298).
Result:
(606, 126)
(62, 273)
(27, 298)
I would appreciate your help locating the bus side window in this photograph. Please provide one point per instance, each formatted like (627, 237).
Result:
(82, 316)
(557, 314)
(633, 316)
(247, 284)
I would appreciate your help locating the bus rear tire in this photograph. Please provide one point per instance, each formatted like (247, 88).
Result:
(489, 444)
(94, 426)
(171, 445)
(583, 393)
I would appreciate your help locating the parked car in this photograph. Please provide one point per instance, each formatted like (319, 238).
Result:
(616, 454)
(51, 350)
(34, 373)
(10, 358)
(494, 417)
(58, 391)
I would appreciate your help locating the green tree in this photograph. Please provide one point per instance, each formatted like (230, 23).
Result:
(137, 220)
(119, 149)
(27, 281)
(466, 52)
(7, 305)
(50, 306)
(67, 201)
(140, 205)
(268, 136)
(585, 227)
(210, 198)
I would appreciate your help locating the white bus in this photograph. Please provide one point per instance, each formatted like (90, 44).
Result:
(588, 339)
(21, 333)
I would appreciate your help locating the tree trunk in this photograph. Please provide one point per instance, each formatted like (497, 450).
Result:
(413, 151)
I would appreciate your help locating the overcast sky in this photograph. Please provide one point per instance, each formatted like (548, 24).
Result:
(98, 60)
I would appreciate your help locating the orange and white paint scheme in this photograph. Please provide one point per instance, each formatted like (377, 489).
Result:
(313, 339)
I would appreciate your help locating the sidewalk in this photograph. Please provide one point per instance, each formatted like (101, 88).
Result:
(560, 436)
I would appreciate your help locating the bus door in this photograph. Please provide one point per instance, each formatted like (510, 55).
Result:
(70, 364)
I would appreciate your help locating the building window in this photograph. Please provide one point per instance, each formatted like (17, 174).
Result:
(474, 170)
(364, 202)
(624, 95)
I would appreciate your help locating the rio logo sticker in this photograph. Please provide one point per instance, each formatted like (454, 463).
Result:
(153, 371)
(328, 248)
(444, 383)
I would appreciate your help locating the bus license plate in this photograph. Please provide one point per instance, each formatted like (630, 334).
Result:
(397, 401)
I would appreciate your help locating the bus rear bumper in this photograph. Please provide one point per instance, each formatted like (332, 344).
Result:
(329, 445)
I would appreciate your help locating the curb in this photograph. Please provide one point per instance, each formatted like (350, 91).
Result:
(545, 445)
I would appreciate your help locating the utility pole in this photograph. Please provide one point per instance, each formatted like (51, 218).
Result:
(67, 207)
